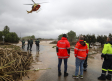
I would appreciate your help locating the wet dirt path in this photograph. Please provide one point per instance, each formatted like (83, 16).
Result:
(48, 59)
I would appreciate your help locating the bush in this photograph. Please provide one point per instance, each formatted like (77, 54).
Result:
(73, 43)
(54, 42)
(53, 46)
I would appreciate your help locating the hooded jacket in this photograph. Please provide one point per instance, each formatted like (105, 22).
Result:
(63, 48)
(107, 50)
(81, 50)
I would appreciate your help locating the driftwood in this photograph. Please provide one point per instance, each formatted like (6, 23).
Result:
(14, 64)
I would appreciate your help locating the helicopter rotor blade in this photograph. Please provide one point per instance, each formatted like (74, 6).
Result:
(28, 4)
(42, 3)
(33, 2)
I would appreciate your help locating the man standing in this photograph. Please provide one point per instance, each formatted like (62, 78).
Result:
(63, 52)
(37, 44)
(31, 42)
(107, 63)
(23, 44)
(85, 62)
(28, 44)
(80, 52)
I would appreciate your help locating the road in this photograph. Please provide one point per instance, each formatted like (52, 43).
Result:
(48, 59)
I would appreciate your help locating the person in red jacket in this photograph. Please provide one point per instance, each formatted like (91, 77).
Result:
(63, 52)
(80, 52)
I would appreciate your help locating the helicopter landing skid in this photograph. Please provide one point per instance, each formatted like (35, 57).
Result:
(38, 10)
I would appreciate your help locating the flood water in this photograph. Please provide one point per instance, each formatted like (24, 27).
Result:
(48, 59)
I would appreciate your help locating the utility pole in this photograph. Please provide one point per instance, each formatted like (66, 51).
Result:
(20, 35)
(3, 38)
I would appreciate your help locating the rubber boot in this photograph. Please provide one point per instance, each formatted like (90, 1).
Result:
(108, 77)
(59, 73)
(102, 77)
(65, 74)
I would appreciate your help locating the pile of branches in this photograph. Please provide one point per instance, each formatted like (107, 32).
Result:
(14, 64)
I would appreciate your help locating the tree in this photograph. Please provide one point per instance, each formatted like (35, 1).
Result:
(28, 37)
(6, 30)
(33, 37)
(101, 39)
(71, 36)
(110, 34)
(9, 36)
(91, 39)
(1, 34)
(105, 38)
(60, 36)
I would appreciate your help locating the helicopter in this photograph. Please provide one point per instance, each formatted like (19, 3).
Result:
(35, 6)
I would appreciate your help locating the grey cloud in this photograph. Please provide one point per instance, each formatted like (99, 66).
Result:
(57, 17)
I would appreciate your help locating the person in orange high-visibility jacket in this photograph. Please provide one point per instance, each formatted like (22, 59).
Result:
(80, 52)
(63, 52)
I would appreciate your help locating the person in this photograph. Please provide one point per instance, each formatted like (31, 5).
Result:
(31, 42)
(107, 63)
(28, 44)
(85, 62)
(63, 52)
(37, 44)
(80, 52)
(23, 44)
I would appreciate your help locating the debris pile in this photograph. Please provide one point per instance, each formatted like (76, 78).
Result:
(14, 64)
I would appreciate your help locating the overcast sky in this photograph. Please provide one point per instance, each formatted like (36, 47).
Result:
(57, 17)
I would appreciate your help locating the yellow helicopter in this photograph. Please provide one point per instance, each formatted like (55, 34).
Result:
(35, 6)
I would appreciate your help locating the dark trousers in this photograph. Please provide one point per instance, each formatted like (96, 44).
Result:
(65, 64)
(85, 62)
(37, 47)
(23, 46)
(107, 66)
(30, 47)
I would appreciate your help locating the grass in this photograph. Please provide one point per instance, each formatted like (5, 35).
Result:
(11, 46)
(53, 46)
